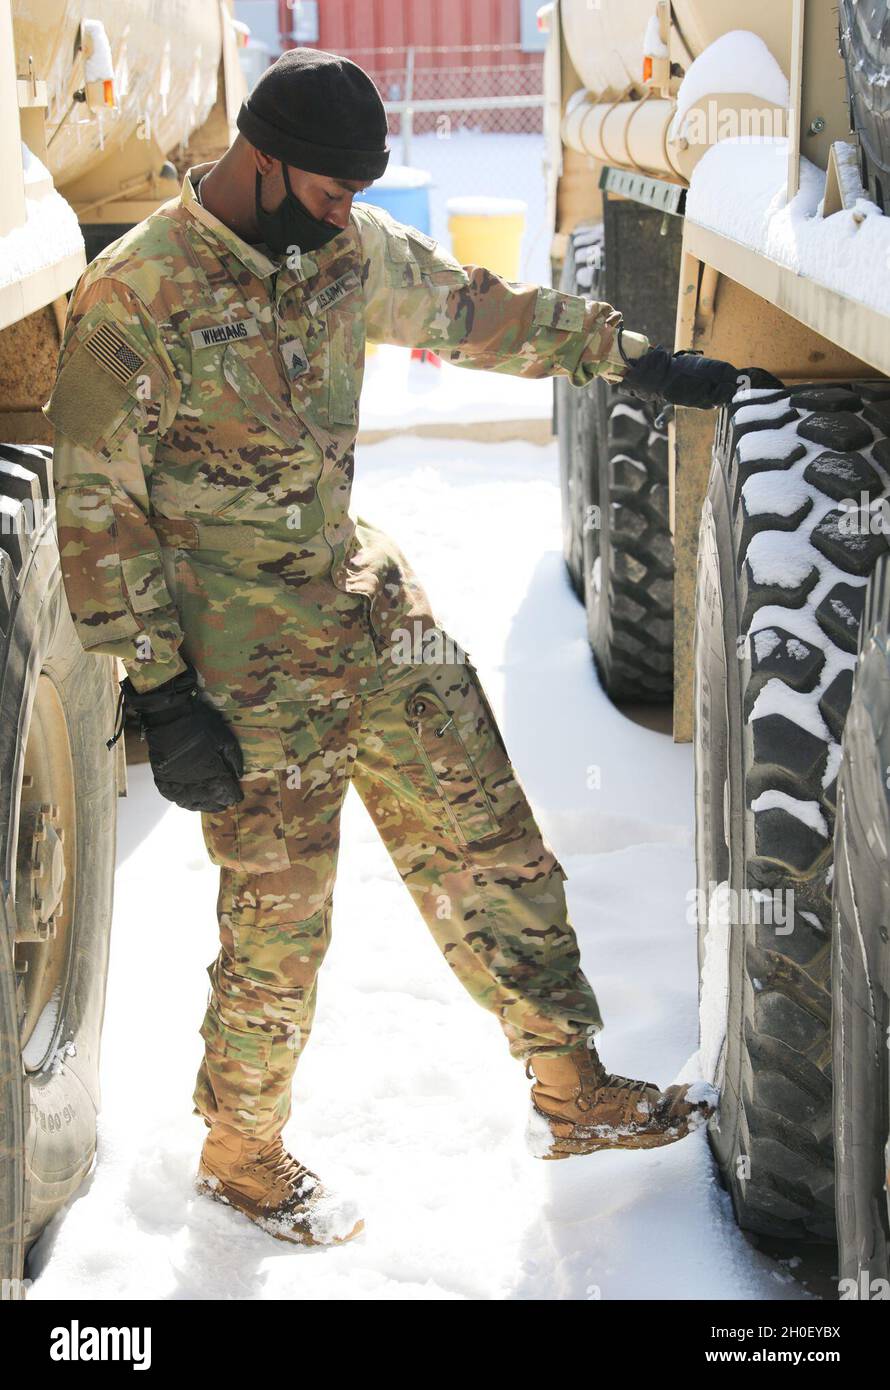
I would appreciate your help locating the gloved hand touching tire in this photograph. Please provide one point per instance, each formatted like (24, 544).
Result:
(688, 378)
(195, 758)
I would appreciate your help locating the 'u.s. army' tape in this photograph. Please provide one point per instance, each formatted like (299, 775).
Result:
(333, 293)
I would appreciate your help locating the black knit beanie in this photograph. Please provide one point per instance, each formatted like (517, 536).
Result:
(318, 112)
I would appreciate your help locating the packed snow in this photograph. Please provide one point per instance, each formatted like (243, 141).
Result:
(761, 495)
(777, 698)
(98, 65)
(406, 1099)
(739, 188)
(849, 176)
(721, 914)
(780, 558)
(736, 62)
(809, 812)
(654, 45)
(49, 235)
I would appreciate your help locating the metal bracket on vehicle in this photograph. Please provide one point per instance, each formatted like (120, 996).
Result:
(669, 198)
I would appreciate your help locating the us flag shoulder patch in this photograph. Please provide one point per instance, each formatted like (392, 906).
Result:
(111, 349)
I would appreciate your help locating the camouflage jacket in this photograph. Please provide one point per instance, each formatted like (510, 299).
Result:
(206, 408)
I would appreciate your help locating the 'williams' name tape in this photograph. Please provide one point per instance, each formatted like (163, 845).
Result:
(217, 333)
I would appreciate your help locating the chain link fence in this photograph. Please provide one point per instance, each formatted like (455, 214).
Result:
(472, 116)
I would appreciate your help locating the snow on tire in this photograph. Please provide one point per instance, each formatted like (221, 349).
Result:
(781, 578)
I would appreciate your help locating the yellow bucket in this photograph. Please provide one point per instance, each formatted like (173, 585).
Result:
(487, 231)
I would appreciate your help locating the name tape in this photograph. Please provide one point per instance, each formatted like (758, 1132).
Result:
(333, 293)
(224, 333)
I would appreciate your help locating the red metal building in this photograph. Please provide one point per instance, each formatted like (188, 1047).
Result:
(466, 49)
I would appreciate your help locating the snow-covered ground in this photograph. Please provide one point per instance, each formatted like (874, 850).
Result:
(406, 1096)
(400, 393)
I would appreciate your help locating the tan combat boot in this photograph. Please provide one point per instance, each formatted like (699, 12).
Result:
(578, 1108)
(264, 1181)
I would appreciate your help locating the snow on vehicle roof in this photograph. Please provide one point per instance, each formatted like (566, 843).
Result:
(736, 62)
(98, 66)
(50, 234)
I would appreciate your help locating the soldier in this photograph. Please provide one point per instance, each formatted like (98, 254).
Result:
(278, 648)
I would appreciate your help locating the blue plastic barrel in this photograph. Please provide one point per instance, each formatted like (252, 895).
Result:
(404, 192)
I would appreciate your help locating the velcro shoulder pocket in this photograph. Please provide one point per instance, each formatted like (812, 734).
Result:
(556, 310)
(104, 375)
(145, 582)
(414, 259)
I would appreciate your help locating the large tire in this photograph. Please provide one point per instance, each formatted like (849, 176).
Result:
(865, 42)
(779, 596)
(627, 547)
(578, 268)
(57, 818)
(861, 960)
(614, 465)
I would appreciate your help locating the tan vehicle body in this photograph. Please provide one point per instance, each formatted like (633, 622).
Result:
(733, 302)
(102, 105)
(175, 91)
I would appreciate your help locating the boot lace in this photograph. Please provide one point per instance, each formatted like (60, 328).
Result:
(283, 1165)
(622, 1083)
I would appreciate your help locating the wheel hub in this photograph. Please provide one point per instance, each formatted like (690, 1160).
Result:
(41, 873)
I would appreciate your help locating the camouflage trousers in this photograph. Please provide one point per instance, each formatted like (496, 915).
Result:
(429, 763)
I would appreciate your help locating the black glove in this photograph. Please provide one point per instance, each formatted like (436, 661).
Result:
(195, 758)
(682, 378)
(759, 379)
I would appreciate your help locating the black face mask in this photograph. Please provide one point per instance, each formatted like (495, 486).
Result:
(291, 224)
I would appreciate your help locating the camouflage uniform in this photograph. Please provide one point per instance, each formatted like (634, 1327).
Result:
(206, 414)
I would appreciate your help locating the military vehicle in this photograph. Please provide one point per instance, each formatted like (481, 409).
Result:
(98, 118)
(720, 170)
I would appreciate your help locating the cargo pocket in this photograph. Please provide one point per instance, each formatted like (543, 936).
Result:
(91, 565)
(253, 395)
(145, 582)
(447, 759)
(250, 836)
(250, 1046)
